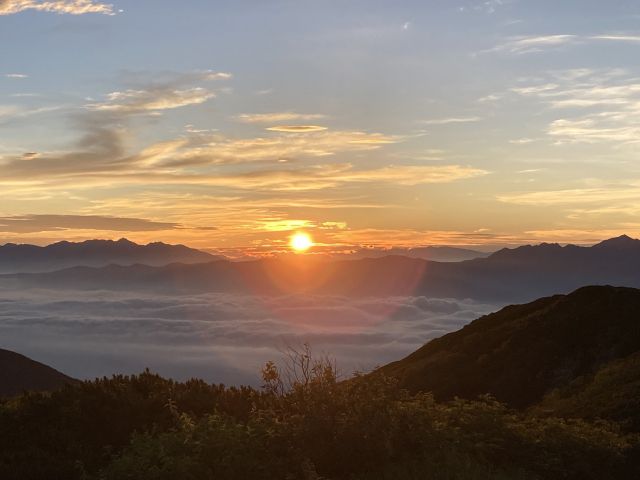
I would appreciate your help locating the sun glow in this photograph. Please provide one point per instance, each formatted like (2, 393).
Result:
(301, 242)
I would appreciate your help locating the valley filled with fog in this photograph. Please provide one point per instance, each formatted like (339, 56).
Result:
(220, 337)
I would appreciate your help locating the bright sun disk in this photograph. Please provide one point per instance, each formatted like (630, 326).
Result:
(301, 242)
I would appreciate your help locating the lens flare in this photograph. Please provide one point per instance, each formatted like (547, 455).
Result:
(301, 242)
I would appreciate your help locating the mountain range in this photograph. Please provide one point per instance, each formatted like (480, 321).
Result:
(22, 258)
(506, 276)
(432, 253)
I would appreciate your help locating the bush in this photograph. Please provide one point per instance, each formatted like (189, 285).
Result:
(303, 424)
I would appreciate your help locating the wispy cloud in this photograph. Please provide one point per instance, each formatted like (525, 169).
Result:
(9, 111)
(239, 215)
(13, 112)
(132, 101)
(16, 75)
(618, 38)
(102, 146)
(588, 130)
(48, 223)
(486, 6)
(590, 106)
(535, 89)
(216, 149)
(101, 153)
(577, 196)
(297, 128)
(614, 207)
(490, 6)
(169, 93)
(522, 141)
(539, 43)
(449, 120)
(532, 44)
(278, 117)
(320, 177)
(71, 7)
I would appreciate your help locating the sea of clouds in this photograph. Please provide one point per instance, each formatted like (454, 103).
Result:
(223, 338)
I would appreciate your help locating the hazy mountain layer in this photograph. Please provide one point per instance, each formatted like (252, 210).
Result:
(510, 275)
(94, 253)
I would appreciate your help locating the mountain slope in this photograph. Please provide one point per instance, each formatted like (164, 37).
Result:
(94, 253)
(524, 273)
(612, 392)
(19, 373)
(524, 352)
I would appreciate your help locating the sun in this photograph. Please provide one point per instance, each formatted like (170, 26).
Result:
(301, 242)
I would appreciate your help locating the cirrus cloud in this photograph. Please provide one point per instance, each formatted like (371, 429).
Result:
(538, 43)
(447, 121)
(166, 94)
(70, 7)
(277, 117)
(589, 106)
(48, 223)
(297, 128)
(132, 101)
(534, 44)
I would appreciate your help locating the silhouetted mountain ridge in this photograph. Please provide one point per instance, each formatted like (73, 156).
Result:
(507, 276)
(19, 373)
(23, 258)
(548, 250)
(623, 241)
(432, 253)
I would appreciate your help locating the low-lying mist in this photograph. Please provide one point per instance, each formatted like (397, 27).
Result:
(219, 337)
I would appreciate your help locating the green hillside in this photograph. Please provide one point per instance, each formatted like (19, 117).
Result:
(524, 352)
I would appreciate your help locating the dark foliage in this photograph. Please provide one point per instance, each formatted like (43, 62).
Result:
(303, 424)
(524, 352)
(613, 392)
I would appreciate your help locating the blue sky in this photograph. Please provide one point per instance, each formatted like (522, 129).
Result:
(372, 123)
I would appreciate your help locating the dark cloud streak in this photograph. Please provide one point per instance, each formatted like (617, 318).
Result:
(48, 223)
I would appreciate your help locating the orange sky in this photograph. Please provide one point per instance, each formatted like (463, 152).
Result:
(477, 124)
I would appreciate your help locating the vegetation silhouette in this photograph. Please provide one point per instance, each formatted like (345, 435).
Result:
(572, 355)
(304, 423)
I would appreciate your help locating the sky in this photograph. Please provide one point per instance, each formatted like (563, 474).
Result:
(230, 125)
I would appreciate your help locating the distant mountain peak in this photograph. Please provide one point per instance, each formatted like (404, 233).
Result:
(623, 241)
(95, 253)
(543, 249)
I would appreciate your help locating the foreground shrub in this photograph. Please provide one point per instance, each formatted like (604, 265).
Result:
(303, 424)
